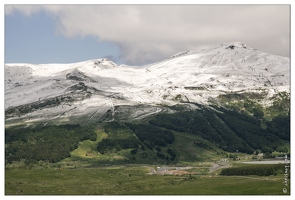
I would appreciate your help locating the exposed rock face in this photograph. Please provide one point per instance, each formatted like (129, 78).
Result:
(93, 90)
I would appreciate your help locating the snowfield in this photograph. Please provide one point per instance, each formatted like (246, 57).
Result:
(95, 88)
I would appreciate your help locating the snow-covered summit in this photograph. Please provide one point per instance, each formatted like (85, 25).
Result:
(94, 87)
(233, 45)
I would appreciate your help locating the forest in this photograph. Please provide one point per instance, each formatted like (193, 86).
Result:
(152, 135)
(229, 130)
(49, 143)
(119, 137)
(260, 170)
(152, 140)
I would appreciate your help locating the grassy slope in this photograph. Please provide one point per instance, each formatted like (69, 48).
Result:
(87, 148)
(86, 153)
(132, 180)
(187, 153)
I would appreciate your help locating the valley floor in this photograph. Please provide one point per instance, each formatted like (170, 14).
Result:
(135, 180)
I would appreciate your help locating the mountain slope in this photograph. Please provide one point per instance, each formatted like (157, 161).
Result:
(100, 90)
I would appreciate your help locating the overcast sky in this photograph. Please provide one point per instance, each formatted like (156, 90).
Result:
(138, 34)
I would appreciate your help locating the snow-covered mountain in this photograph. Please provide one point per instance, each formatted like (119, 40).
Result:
(99, 89)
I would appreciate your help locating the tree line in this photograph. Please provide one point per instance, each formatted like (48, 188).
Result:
(49, 143)
(151, 135)
(260, 170)
(119, 137)
(229, 130)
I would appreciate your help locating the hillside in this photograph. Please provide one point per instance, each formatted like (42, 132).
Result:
(91, 90)
(191, 107)
(203, 134)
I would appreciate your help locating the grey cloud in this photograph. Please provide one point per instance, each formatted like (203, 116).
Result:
(148, 33)
(111, 57)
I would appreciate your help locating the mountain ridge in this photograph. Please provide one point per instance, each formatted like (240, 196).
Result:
(96, 87)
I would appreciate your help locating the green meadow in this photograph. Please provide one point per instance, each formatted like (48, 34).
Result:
(134, 180)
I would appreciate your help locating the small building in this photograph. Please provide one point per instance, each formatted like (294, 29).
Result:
(260, 155)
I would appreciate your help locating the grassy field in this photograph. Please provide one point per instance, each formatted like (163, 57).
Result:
(133, 180)
(88, 172)
(72, 176)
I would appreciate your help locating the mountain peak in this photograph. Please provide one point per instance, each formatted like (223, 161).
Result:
(104, 62)
(232, 45)
(95, 88)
